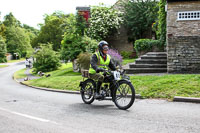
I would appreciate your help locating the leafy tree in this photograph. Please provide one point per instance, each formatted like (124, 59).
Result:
(51, 31)
(10, 20)
(162, 22)
(104, 21)
(139, 17)
(72, 44)
(46, 59)
(17, 41)
(3, 50)
(2, 30)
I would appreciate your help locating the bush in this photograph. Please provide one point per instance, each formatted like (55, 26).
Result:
(46, 59)
(126, 54)
(91, 44)
(146, 45)
(83, 60)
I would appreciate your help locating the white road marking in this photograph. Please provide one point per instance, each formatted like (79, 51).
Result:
(28, 116)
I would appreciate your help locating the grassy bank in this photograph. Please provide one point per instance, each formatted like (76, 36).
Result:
(2, 66)
(13, 61)
(165, 86)
(20, 74)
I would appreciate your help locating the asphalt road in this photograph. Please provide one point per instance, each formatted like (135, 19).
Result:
(28, 110)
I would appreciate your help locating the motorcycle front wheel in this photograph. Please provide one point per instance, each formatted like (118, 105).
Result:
(124, 95)
(87, 92)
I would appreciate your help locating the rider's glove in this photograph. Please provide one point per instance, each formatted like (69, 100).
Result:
(100, 70)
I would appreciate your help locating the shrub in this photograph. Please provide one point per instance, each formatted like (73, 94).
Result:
(126, 54)
(146, 45)
(91, 44)
(83, 60)
(46, 59)
(115, 57)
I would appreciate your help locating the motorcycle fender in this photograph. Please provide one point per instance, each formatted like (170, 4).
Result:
(124, 80)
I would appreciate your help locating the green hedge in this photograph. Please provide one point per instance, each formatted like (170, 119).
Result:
(146, 45)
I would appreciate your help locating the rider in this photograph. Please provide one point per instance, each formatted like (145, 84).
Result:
(98, 63)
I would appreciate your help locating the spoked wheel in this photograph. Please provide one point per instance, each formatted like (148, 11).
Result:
(87, 92)
(124, 95)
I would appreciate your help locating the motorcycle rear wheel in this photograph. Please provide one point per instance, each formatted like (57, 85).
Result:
(124, 95)
(87, 92)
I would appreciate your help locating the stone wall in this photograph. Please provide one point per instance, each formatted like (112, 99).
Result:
(183, 39)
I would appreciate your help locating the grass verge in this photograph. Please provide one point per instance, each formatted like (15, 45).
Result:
(2, 66)
(126, 61)
(12, 61)
(20, 74)
(164, 86)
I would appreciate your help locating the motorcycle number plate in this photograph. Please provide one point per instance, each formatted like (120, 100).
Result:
(116, 75)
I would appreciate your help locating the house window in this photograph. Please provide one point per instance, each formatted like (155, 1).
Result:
(189, 15)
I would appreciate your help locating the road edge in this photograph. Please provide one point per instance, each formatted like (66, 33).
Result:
(186, 99)
(137, 96)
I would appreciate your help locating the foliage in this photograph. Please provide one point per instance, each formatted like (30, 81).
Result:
(104, 21)
(74, 43)
(46, 59)
(17, 41)
(146, 44)
(139, 17)
(51, 31)
(3, 50)
(162, 22)
(10, 20)
(91, 44)
(115, 57)
(126, 54)
(2, 30)
(83, 60)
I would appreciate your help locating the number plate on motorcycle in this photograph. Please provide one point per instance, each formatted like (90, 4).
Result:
(116, 75)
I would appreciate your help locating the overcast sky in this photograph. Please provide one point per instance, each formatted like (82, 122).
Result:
(31, 11)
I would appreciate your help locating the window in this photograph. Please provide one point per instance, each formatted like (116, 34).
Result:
(189, 15)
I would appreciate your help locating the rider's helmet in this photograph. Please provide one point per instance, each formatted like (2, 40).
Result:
(101, 44)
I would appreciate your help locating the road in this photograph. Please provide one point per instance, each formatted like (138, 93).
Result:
(28, 110)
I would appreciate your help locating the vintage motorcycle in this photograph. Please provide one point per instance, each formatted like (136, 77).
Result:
(116, 87)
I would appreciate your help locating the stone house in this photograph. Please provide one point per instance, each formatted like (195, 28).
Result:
(183, 36)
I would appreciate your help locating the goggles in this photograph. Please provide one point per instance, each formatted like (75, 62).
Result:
(106, 48)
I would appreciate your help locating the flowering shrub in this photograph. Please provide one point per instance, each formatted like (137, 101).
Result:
(103, 22)
(115, 57)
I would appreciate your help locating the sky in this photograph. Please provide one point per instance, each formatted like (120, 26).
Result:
(31, 12)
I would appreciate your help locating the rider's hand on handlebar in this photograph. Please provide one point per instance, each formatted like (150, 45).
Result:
(100, 70)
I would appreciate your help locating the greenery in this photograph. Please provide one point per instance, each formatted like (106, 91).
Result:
(167, 86)
(18, 60)
(162, 22)
(51, 31)
(84, 60)
(46, 59)
(146, 45)
(3, 50)
(163, 86)
(126, 54)
(139, 17)
(126, 61)
(1, 66)
(20, 74)
(104, 21)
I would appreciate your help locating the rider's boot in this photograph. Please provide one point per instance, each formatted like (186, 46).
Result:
(97, 93)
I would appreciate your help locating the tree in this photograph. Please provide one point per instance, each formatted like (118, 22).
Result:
(139, 17)
(10, 20)
(51, 31)
(46, 59)
(3, 50)
(162, 22)
(104, 21)
(17, 41)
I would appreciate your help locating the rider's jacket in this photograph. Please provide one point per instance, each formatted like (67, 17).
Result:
(97, 61)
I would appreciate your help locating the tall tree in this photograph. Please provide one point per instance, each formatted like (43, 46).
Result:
(17, 41)
(51, 31)
(10, 20)
(139, 17)
(3, 50)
